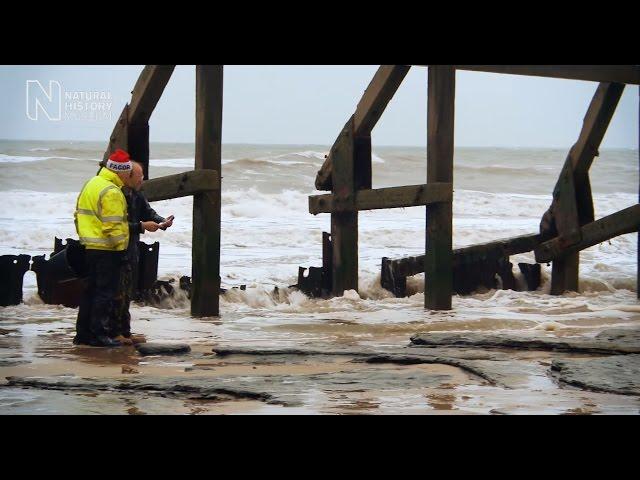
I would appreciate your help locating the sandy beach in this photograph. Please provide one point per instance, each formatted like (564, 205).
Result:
(45, 374)
(281, 352)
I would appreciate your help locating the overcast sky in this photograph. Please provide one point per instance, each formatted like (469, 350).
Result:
(310, 104)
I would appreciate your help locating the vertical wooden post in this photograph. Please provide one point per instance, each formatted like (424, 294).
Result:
(565, 273)
(638, 268)
(138, 138)
(344, 218)
(363, 169)
(440, 144)
(327, 264)
(205, 264)
(120, 136)
(573, 204)
(565, 270)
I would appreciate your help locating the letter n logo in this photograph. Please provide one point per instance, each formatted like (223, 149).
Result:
(48, 101)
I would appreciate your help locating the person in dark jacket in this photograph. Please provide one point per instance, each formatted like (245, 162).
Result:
(141, 218)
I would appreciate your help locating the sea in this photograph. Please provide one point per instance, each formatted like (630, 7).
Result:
(268, 232)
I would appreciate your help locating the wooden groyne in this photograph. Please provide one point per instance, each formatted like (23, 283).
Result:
(131, 133)
(568, 226)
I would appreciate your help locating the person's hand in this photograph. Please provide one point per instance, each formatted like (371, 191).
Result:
(150, 226)
(166, 224)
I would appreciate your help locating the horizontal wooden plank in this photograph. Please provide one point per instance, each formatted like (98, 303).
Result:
(181, 185)
(497, 248)
(629, 74)
(381, 198)
(408, 266)
(405, 196)
(619, 223)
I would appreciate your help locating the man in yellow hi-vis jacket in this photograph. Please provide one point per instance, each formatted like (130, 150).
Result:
(101, 223)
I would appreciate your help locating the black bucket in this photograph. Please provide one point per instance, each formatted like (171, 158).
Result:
(68, 263)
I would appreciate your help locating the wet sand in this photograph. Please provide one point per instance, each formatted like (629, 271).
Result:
(342, 371)
(267, 234)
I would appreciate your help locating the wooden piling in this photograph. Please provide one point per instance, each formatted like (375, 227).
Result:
(131, 131)
(205, 265)
(138, 139)
(565, 269)
(344, 217)
(438, 265)
(565, 274)
(572, 207)
(363, 171)
(327, 263)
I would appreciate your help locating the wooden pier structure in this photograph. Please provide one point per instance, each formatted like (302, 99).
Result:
(568, 227)
(131, 133)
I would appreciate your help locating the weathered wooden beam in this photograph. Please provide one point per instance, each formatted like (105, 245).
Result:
(438, 265)
(147, 92)
(619, 223)
(138, 145)
(532, 273)
(572, 205)
(324, 177)
(363, 167)
(394, 272)
(344, 218)
(565, 208)
(181, 185)
(205, 265)
(374, 101)
(119, 137)
(629, 74)
(391, 197)
(363, 173)
(327, 262)
(497, 248)
(565, 273)
(144, 97)
(409, 266)
(377, 96)
(595, 123)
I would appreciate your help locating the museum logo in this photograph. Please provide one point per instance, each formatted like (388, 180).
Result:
(49, 101)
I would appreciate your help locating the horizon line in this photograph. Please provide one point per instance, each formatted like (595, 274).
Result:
(554, 147)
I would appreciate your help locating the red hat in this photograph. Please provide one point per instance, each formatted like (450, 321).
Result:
(119, 161)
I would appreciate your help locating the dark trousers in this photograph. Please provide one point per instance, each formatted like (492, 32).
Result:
(122, 317)
(97, 305)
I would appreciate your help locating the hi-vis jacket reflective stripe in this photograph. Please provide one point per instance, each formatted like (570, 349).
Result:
(101, 213)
